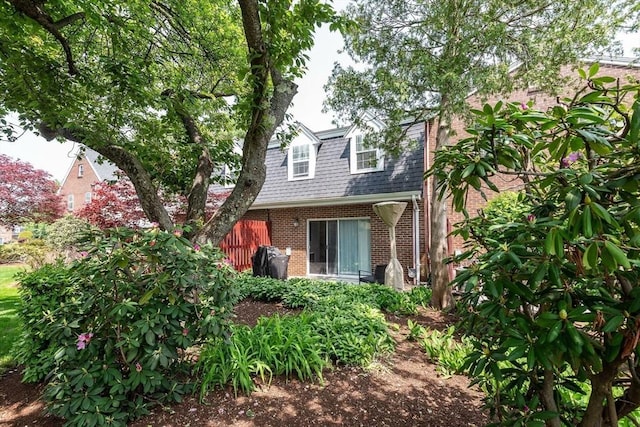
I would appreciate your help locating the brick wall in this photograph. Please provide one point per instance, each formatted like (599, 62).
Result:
(78, 185)
(286, 234)
(541, 101)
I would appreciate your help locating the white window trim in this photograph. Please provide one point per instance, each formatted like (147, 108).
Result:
(312, 162)
(70, 203)
(87, 197)
(80, 170)
(354, 158)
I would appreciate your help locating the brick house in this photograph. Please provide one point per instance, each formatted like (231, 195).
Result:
(318, 197)
(622, 68)
(319, 192)
(84, 172)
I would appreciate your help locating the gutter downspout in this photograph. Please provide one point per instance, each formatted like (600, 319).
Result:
(427, 197)
(416, 240)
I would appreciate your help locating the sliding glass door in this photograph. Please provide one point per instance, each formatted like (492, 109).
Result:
(339, 247)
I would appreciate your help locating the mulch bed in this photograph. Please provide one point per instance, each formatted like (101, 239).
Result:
(403, 390)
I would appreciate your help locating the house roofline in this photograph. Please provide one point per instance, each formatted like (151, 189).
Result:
(337, 201)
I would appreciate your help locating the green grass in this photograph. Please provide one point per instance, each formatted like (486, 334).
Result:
(9, 306)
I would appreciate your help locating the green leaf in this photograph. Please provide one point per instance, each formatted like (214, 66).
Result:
(634, 128)
(617, 254)
(590, 256)
(613, 324)
(147, 296)
(593, 70)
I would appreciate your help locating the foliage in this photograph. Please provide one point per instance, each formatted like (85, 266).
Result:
(33, 252)
(65, 234)
(113, 204)
(9, 306)
(275, 346)
(159, 91)
(552, 300)
(443, 349)
(308, 293)
(419, 60)
(341, 323)
(111, 333)
(26, 194)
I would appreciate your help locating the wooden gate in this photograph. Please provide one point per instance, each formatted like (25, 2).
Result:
(243, 241)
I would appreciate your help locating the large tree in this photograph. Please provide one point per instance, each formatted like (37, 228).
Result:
(421, 60)
(161, 88)
(27, 194)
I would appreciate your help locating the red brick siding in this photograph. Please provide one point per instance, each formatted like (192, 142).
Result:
(78, 186)
(286, 234)
(541, 101)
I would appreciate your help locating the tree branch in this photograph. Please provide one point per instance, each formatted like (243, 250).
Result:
(267, 112)
(150, 201)
(33, 10)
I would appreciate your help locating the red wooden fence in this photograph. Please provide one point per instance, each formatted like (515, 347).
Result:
(243, 241)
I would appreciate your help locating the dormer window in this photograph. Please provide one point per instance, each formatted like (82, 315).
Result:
(301, 158)
(363, 157)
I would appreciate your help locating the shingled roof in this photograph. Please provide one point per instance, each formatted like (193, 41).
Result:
(104, 169)
(333, 184)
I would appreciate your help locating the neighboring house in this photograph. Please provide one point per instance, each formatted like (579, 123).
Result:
(85, 171)
(6, 235)
(622, 68)
(318, 197)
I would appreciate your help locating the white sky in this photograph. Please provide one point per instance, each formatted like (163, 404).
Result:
(56, 158)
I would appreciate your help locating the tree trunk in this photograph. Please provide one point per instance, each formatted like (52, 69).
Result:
(268, 112)
(548, 398)
(601, 383)
(442, 297)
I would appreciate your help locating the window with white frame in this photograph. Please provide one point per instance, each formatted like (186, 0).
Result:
(70, 202)
(80, 170)
(365, 158)
(87, 197)
(301, 161)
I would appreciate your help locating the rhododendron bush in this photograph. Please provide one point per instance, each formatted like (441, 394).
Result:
(552, 297)
(111, 333)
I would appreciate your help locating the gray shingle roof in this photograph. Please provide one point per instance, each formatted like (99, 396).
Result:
(333, 178)
(105, 170)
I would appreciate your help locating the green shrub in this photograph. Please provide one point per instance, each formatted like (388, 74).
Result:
(275, 346)
(341, 323)
(443, 349)
(309, 293)
(111, 333)
(65, 235)
(33, 252)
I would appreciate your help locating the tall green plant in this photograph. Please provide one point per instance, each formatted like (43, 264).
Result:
(111, 333)
(554, 297)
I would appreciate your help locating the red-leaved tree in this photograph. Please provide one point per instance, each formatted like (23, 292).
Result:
(116, 204)
(27, 194)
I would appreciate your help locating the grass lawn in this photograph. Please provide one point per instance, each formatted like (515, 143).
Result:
(9, 306)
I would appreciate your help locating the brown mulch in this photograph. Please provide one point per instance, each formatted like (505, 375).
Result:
(403, 390)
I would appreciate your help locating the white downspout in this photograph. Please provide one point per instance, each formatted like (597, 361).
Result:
(416, 240)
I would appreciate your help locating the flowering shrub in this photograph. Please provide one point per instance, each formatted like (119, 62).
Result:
(553, 301)
(111, 333)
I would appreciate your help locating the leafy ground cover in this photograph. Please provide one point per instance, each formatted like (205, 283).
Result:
(399, 387)
(9, 306)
